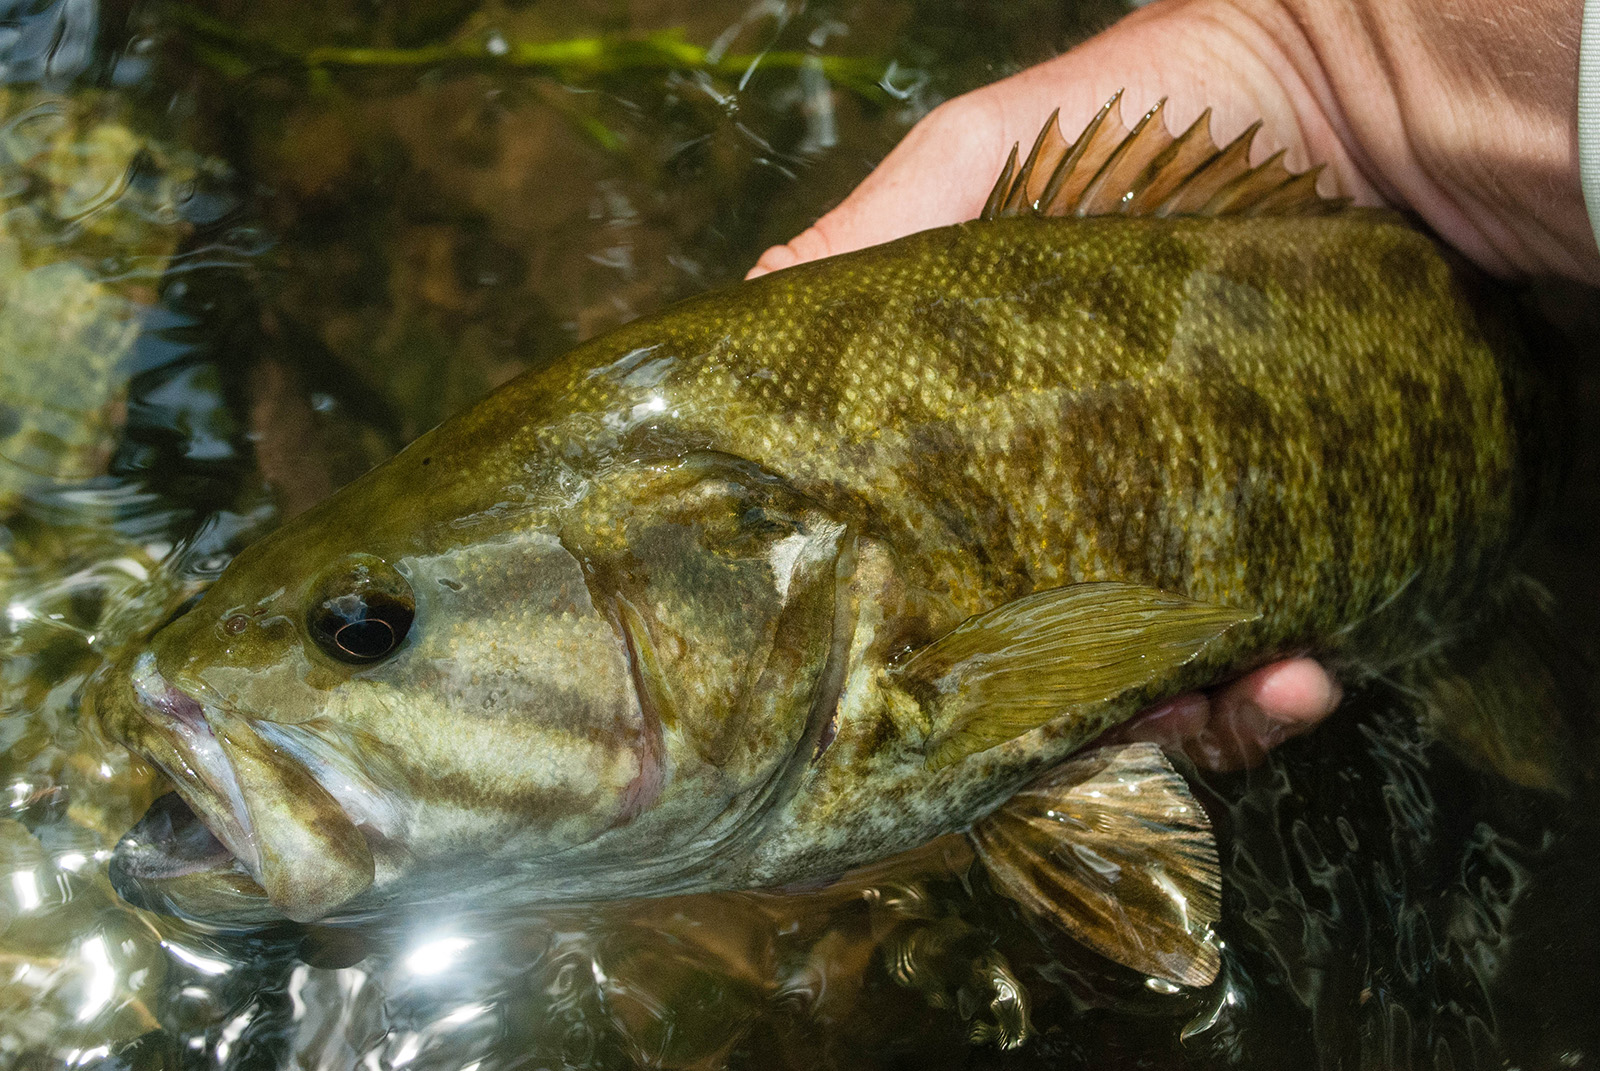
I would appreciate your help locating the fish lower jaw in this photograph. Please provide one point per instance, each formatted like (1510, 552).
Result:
(300, 829)
(196, 764)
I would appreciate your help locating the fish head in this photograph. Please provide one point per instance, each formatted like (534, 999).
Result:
(393, 696)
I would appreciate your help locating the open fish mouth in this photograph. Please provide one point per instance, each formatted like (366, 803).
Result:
(205, 824)
(194, 850)
(170, 841)
(260, 814)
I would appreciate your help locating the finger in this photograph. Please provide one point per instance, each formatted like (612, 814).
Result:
(1261, 710)
(1194, 55)
(812, 244)
(938, 174)
(1171, 724)
(1296, 693)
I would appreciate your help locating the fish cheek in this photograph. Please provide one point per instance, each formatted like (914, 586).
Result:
(503, 743)
(511, 701)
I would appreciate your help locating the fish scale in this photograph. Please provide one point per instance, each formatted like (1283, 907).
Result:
(1070, 383)
(1270, 511)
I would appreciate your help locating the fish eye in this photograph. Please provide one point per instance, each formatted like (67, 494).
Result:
(362, 611)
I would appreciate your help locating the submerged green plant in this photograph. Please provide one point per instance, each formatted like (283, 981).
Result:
(238, 53)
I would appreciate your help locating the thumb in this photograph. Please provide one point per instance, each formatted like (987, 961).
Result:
(943, 170)
(939, 174)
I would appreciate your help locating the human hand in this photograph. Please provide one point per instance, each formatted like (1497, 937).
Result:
(1451, 111)
(1407, 102)
(1233, 727)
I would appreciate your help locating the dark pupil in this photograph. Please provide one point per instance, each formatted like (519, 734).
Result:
(361, 627)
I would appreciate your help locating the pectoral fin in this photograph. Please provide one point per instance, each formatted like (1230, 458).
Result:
(1002, 673)
(1114, 849)
(313, 858)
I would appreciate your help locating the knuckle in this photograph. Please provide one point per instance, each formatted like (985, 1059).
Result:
(812, 244)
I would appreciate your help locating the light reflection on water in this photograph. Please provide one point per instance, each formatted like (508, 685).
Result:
(274, 282)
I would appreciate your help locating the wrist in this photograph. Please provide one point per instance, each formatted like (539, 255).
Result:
(1454, 114)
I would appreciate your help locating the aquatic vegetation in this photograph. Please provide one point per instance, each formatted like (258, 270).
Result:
(574, 61)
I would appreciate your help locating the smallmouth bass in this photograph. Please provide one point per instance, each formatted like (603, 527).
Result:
(800, 574)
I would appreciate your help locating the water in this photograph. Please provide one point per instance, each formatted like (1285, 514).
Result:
(247, 278)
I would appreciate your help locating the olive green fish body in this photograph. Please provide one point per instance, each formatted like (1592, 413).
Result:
(1298, 417)
(1292, 414)
(662, 601)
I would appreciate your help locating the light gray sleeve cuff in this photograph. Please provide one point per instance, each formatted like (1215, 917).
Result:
(1589, 112)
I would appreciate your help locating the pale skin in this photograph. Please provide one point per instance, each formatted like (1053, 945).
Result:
(1462, 112)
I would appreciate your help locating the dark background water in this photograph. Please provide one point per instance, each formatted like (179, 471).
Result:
(271, 259)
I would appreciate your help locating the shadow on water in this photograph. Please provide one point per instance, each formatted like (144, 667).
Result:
(246, 254)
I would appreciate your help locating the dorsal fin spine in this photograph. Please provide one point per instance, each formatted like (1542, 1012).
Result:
(1019, 193)
(1297, 190)
(1163, 167)
(1196, 191)
(991, 207)
(1124, 148)
(1149, 172)
(1235, 194)
(1057, 177)
(1070, 158)
(1110, 170)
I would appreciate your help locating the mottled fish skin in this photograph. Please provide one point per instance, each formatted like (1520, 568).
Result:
(661, 585)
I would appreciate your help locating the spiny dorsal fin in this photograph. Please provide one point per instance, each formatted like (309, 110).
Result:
(1111, 170)
(1114, 849)
(1034, 659)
